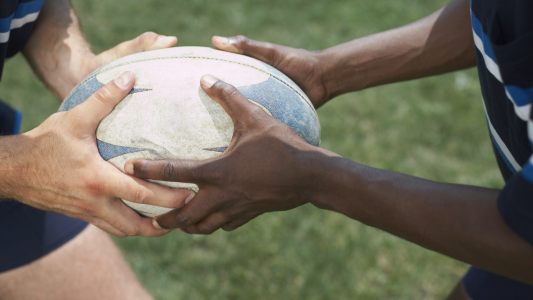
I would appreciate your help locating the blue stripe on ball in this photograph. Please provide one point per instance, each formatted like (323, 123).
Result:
(221, 149)
(108, 151)
(276, 73)
(133, 91)
(82, 93)
(285, 105)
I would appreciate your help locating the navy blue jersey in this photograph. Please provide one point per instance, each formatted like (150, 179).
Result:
(17, 18)
(503, 34)
(26, 233)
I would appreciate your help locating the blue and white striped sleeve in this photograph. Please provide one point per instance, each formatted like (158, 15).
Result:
(516, 200)
(509, 69)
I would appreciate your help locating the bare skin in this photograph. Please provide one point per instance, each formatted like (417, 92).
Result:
(268, 167)
(439, 43)
(57, 167)
(87, 267)
(59, 53)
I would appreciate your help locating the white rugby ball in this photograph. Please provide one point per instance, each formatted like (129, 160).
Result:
(167, 115)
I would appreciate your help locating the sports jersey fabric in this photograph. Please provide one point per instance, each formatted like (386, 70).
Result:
(17, 18)
(26, 233)
(503, 36)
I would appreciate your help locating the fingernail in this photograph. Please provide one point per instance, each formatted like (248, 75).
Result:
(222, 40)
(189, 198)
(128, 168)
(208, 81)
(165, 40)
(156, 225)
(124, 80)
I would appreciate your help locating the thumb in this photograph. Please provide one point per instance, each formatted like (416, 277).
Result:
(241, 110)
(89, 113)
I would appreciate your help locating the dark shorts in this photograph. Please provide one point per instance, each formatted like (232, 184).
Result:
(483, 285)
(26, 233)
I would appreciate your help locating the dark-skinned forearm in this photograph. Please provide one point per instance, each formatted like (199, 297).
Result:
(439, 43)
(460, 221)
(56, 47)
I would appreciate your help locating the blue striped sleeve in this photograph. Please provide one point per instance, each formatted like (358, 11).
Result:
(23, 10)
(516, 200)
(516, 203)
(28, 8)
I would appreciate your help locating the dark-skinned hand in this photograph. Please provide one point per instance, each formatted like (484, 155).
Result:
(260, 171)
(302, 66)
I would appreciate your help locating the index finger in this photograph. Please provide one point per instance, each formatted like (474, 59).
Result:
(166, 170)
(140, 191)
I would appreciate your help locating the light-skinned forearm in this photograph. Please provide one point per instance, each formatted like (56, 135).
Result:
(460, 221)
(12, 170)
(57, 49)
(439, 43)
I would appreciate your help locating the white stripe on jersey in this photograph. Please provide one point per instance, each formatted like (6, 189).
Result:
(491, 65)
(521, 111)
(4, 37)
(17, 23)
(501, 144)
(530, 131)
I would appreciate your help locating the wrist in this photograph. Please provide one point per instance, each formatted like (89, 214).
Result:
(13, 170)
(341, 70)
(328, 176)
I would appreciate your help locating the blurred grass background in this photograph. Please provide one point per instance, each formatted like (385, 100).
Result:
(432, 128)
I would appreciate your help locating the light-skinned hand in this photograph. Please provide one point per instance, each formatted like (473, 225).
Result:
(60, 170)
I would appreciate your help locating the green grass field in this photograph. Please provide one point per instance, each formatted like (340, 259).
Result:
(433, 128)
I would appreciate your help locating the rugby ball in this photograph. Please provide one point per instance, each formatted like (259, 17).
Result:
(167, 115)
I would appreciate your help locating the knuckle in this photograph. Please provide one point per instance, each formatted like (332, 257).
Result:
(94, 186)
(205, 229)
(256, 110)
(228, 227)
(133, 231)
(91, 209)
(292, 56)
(74, 118)
(147, 38)
(214, 173)
(141, 168)
(228, 92)
(183, 220)
(274, 56)
(102, 94)
(241, 40)
(80, 216)
(113, 232)
(170, 171)
(141, 196)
